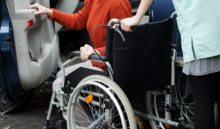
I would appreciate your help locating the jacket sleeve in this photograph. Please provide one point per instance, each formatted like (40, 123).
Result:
(121, 10)
(73, 21)
(101, 50)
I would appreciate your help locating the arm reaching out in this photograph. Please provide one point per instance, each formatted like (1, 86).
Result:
(127, 23)
(73, 21)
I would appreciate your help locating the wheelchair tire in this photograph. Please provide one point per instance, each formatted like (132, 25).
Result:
(114, 100)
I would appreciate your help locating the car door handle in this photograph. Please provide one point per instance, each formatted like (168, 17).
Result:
(29, 15)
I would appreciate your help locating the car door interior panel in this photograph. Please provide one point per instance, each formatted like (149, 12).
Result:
(37, 38)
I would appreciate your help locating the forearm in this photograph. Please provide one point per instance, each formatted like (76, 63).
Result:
(64, 19)
(73, 21)
(144, 6)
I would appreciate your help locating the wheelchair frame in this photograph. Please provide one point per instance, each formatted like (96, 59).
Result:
(61, 104)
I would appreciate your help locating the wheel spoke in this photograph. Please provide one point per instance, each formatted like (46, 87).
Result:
(190, 111)
(187, 117)
(83, 111)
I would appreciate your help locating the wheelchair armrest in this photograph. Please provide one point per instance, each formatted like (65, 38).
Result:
(92, 57)
(174, 46)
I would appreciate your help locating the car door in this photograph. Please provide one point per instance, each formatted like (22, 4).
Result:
(29, 49)
(36, 43)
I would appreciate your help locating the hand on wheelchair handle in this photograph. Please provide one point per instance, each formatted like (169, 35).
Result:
(116, 28)
(129, 24)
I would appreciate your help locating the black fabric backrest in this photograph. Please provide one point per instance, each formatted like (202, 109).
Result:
(143, 61)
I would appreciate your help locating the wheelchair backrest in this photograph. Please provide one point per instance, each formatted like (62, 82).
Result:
(142, 62)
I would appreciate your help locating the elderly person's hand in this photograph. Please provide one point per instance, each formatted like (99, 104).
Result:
(41, 10)
(127, 23)
(86, 51)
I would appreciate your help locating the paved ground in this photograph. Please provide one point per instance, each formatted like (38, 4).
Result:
(31, 116)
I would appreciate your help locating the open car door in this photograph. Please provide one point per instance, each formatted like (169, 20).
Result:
(29, 48)
(36, 44)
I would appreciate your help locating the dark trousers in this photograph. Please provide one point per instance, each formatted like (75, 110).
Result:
(206, 91)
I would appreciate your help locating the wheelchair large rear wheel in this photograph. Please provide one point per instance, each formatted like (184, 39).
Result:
(99, 103)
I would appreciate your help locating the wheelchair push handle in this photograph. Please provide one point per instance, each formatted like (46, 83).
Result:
(173, 15)
(118, 21)
(116, 27)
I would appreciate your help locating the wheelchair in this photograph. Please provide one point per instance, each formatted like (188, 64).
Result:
(91, 99)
